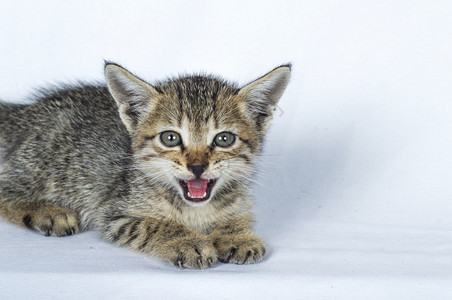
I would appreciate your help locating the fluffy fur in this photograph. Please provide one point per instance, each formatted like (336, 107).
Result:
(94, 156)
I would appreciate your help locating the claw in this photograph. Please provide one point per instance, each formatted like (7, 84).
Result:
(233, 251)
(248, 254)
(179, 262)
(210, 262)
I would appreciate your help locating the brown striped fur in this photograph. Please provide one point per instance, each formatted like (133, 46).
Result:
(70, 162)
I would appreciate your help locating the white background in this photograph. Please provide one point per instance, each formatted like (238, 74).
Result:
(355, 190)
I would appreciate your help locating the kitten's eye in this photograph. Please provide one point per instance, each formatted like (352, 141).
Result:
(170, 138)
(224, 139)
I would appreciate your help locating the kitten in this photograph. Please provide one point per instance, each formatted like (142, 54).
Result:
(163, 169)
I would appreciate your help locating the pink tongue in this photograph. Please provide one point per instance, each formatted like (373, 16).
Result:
(197, 187)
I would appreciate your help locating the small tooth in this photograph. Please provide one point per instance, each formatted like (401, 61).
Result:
(203, 196)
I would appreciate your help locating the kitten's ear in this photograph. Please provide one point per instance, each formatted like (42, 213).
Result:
(135, 98)
(261, 96)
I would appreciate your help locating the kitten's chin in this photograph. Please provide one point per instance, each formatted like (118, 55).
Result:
(197, 191)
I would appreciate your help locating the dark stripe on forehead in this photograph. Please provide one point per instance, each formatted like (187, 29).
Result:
(215, 94)
(181, 114)
(179, 91)
(180, 98)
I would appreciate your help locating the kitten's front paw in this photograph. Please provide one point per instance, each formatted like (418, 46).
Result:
(240, 249)
(52, 220)
(191, 252)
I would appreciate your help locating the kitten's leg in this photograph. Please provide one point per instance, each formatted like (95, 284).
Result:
(235, 242)
(173, 242)
(47, 219)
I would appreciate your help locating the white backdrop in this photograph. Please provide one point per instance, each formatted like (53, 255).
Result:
(355, 188)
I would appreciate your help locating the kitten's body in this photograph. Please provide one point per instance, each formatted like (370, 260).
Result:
(70, 161)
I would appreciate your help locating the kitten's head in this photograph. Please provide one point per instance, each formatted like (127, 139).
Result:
(198, 135)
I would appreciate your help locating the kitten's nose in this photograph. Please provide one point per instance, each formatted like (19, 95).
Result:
(197, 169)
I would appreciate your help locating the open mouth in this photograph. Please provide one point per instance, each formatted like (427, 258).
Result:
(197, 190)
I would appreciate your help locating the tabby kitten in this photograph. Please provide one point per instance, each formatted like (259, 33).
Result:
(163, 169)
